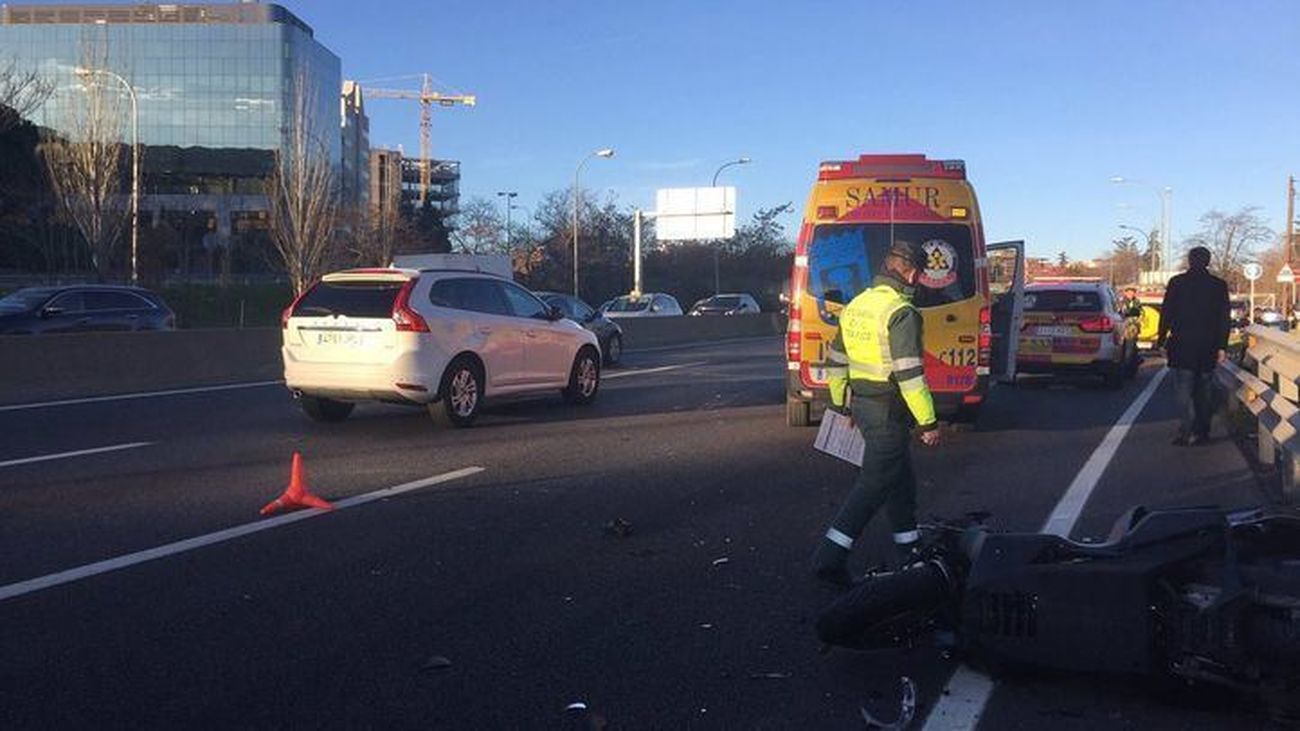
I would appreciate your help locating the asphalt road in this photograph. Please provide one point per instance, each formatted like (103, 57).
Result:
(497, 599)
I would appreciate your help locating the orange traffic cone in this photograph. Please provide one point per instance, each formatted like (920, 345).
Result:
(296, 495)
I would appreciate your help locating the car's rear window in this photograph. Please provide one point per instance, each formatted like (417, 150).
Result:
(352, 299)
(627, 304)
(1062, 300)
(728, 303)
(24, 300)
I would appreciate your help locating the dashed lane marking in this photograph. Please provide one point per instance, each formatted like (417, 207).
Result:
(647, 371)
(146, 394)
(77, 453)
(968, 691)
(189, 544)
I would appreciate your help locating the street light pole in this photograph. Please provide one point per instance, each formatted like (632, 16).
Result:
(509, 195)
(135, 166)
(606, 153)
(1147, 234)
(717, 275)
(1165, 194)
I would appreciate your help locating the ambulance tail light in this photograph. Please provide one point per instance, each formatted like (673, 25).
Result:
(986, 337)
(794, 329)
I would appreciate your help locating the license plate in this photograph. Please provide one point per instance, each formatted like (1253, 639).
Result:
(1055, 331)
(341, 339)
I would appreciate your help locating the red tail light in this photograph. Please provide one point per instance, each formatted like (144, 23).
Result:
(407, 319)
(794, 326)
(288, 311)
(1097, 325)
(986, 337)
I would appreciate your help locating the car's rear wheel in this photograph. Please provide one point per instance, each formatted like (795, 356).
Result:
(584, 378)
(614, 350)
(461, 393)
(796, 412)
(323, 409)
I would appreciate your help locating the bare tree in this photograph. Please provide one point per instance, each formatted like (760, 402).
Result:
(22, 91)
(1231, 239)
(302, 192)
(480, 230)
(85, 167)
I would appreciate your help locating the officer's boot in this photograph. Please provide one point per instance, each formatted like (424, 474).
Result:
(907, 552)
(830, 563)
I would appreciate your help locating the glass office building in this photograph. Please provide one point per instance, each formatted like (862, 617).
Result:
(215, 84)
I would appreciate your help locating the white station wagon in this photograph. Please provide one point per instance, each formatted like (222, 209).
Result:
(446, 339)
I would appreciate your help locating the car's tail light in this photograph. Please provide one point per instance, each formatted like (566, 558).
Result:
(1101, 324)
(407, 319)
(986, 337)
(288, 311)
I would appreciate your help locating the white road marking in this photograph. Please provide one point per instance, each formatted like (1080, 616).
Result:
(147, 394)
(968, 691)
(78, 453)
(647, 371)
(962, 702)
(1067, 511)
(189, 544)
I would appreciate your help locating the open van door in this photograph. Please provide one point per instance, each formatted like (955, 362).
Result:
(1006, 268)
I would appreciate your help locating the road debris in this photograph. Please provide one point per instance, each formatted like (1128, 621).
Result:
(906, 710)
(720, 561)
(768, 676)
(618, 528)
(437, 662)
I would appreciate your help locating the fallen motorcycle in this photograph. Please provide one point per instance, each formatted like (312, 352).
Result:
(1196, 594)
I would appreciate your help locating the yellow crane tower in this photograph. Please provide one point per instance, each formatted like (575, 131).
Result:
(427, 98)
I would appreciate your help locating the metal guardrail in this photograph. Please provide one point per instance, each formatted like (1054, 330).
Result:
(1267, 384)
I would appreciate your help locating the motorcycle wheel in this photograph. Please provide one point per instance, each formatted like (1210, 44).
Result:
(884, 610)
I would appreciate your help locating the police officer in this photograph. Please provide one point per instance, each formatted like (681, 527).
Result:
(878, 376)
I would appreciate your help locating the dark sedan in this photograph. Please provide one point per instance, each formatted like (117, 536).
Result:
(607, 331)
(83, 308)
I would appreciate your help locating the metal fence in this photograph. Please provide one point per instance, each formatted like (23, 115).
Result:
(1267, 385)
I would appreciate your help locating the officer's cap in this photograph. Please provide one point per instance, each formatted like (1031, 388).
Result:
(909, 252)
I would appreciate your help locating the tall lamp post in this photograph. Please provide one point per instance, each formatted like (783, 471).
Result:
(1146, 234)
(717, 276)
(1166, 195)
(510, 196)
(606, 153)
(135, 164)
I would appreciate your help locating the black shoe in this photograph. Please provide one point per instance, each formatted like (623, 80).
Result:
(1181, 440)
(834, 575)
(1197, 440)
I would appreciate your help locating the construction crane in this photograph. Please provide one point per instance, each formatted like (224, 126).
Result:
(427, 98)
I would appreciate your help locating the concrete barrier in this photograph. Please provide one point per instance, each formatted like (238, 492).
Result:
(44, 367)
(653, 332)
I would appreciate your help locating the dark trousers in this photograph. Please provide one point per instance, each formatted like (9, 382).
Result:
(885, 480)
(1195, 401)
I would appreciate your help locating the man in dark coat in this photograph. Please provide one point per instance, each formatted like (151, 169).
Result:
(1194, 333)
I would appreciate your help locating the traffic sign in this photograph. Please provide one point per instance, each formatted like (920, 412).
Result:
(1286, 276)
(1252, 270)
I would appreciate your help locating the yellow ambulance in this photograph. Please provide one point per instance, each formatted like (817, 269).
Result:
(857, 207)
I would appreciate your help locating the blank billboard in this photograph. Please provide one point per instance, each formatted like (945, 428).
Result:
(695, 214)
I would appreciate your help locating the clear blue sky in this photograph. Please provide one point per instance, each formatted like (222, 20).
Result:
(1044, 100)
